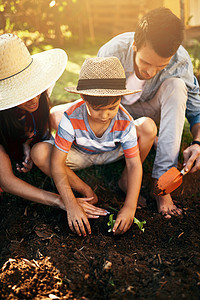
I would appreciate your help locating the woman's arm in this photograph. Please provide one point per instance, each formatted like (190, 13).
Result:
(12, 184)
(41, 154)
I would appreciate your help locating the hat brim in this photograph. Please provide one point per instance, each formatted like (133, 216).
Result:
(101, 92)
(42, 73)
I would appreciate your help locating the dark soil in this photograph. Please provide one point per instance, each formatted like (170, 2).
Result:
(42, 259)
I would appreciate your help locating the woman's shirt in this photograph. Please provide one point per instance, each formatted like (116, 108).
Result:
(29, 122)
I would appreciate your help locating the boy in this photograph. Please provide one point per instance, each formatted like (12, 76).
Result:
(98, 130)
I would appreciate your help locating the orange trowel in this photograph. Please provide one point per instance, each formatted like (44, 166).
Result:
(169, 181)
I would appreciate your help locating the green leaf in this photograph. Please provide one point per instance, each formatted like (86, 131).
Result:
(111, 223)
(139, 224)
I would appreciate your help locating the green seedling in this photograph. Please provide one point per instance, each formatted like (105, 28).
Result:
(136, 221)
(139, 224)
(111, 223)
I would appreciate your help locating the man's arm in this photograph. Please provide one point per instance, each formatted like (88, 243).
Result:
(134, 178)
(77, 219)
(196, 132)
(192, 153)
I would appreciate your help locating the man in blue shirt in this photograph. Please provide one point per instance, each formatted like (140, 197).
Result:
(155, 62)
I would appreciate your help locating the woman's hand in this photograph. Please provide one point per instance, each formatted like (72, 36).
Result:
(27, 164)
(90, 194)
(91, 211)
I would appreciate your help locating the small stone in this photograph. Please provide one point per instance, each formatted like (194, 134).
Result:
(86, 276)
(107, 265)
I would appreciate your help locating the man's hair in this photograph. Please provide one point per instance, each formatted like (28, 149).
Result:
(100, 101)
(162, 30)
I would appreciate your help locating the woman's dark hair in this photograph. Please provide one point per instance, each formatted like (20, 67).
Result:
(96, 101)
(13, 131)
(162, 30)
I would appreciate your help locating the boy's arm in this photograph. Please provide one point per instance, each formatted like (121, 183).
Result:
(77, 219)
(127, 212)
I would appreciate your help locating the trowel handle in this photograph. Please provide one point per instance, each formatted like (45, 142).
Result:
(183, 172)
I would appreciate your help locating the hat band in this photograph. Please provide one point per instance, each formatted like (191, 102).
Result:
(17, 72)
(104, 83)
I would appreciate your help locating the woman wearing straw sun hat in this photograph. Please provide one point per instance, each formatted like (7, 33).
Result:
(24, 114)
(24, 111)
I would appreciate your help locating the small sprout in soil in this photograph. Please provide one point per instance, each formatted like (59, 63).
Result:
(139, 224)
(111, 223)
(136, 221)
(111, 282)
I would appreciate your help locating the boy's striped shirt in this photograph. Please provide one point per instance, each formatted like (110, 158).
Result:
(74, 128)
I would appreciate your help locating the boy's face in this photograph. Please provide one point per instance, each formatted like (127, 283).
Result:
(147, 63)
(103, 115)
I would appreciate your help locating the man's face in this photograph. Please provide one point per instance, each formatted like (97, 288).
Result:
(147, 63)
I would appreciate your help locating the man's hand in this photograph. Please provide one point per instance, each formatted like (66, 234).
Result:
(124, 220)
(77, 219)
(192, 158)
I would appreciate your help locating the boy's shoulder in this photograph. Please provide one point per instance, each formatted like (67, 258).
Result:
(124, 114)
(74, 108)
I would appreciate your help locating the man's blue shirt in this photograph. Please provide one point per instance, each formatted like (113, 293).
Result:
(180, 66)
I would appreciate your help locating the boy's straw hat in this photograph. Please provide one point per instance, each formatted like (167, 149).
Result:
(22, 76)
(101, 76)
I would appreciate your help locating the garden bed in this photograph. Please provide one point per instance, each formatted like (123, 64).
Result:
(42, 259)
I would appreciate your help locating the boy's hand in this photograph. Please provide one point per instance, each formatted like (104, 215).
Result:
(91, 211)
(124, 220)
(77, 219)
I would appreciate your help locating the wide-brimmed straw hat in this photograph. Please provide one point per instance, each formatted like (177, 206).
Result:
(22, 76)
(102, 76)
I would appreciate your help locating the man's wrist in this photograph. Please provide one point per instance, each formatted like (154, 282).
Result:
(195, 142)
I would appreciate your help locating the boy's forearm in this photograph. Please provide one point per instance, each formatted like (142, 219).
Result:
(133, 186)
(62, 183)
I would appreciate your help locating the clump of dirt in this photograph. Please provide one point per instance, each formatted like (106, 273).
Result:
(35, 279)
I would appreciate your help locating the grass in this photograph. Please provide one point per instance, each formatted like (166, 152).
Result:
(194, 53)
(76, 57)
